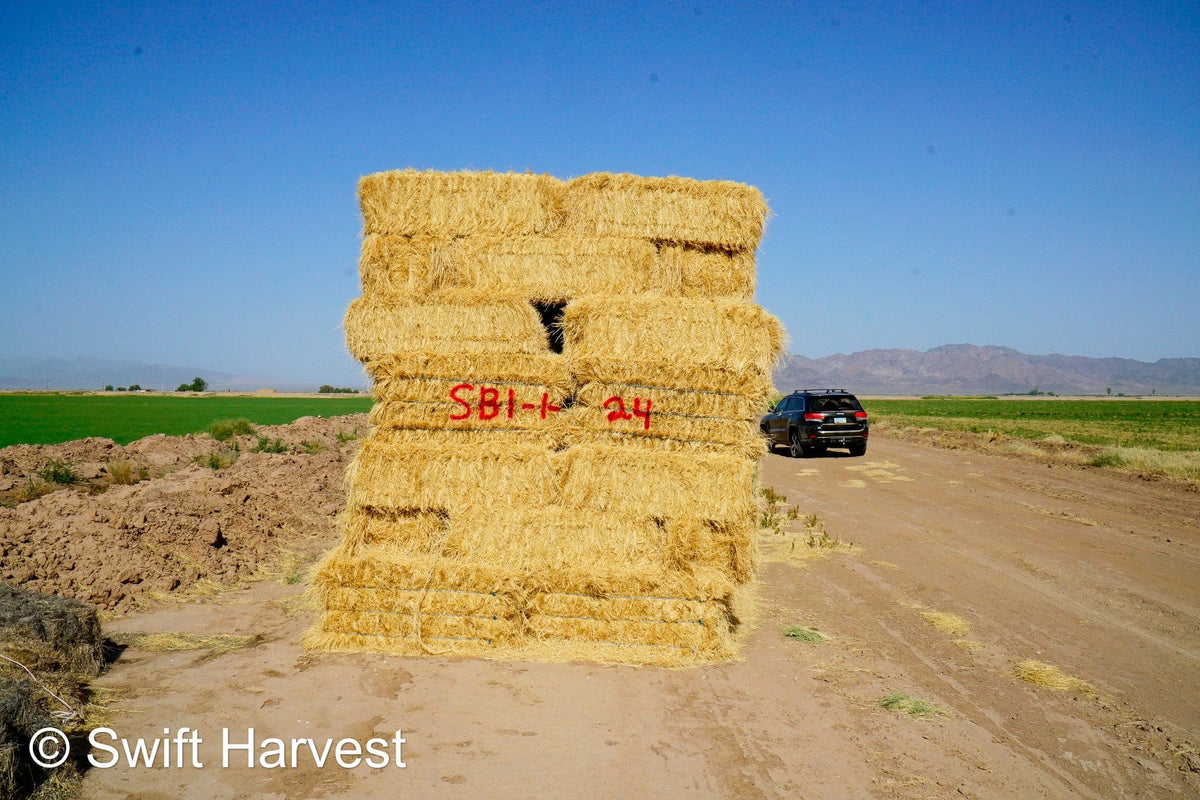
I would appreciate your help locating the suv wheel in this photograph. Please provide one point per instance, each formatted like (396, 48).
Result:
(859, 449)
(796, 449)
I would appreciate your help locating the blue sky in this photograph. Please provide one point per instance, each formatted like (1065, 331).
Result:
(178, 180)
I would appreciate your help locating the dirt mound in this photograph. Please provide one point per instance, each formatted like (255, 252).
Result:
(234, 515)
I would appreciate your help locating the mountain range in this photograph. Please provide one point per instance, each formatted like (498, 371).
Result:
(972, 369)
(950, 369)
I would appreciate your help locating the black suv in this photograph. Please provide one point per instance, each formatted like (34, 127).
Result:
(810, 421)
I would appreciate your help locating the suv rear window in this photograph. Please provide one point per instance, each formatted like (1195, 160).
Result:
(843, 403)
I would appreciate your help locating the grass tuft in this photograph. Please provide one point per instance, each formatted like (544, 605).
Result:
(225, 429)
(32, 489)
(1108, 458)
(58, 471)
(268, 445)
(312, 447)
(216, 461)
(805, 634)
(909, 705)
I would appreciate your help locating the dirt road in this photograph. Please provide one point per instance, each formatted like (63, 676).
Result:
(1096, 573)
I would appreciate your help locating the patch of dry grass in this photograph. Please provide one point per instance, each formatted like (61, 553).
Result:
(1040, 673)
(947, 623)
(215, 643)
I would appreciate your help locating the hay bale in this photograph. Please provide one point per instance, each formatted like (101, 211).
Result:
(434, 472)
(425, 376)
(489, 392)
(748, 389)
(685, 270)
(525, 540)
(534, 267)
(721, 214)
(500, 507)
(21, 715)
(728, 334)
(377, 327)
(666, 399)
(411, 203)
(730, 547)
(382, 566)
(701, 627)
(551, 268)
(678, 433)
(633, 480)
(47, 632)
(556, 539)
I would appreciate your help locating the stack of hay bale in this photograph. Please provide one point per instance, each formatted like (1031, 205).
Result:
(566, 376)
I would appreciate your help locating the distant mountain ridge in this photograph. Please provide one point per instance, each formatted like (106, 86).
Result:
(96, 373)
(974, 369)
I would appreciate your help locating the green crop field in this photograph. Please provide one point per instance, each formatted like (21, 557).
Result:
(1162, 425)
(49, 418)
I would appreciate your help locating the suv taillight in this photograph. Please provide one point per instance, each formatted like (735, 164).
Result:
(811, 417)
(860, 415)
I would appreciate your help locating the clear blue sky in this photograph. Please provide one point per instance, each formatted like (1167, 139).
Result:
(177, 181)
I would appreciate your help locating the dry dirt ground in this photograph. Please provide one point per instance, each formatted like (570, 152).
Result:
(1094, 572)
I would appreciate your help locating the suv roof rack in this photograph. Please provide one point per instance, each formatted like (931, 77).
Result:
(820, 391)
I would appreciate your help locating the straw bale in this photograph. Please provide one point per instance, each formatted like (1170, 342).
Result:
(394, 472)
(635, 480)
(555, 543)
(729, 547)
(430, 376)
(715, 213)
(711, 613)
(690, 271)
(453, 416)
(432, 626)
(667, 432)
(415, 529)
(379, 326)
(436, 602)
(523, 539)
(490, 392)
(50, 633)
(748, 384)
(671, 401)
(320, 639)
(382, 566)
(707, 333)
(412, 203)
(463, 441)
(537, 267)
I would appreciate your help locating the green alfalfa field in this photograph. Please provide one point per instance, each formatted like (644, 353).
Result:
(52, 417)
(1147, 435)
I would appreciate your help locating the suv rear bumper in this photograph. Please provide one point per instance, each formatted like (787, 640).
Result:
(841, 438)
